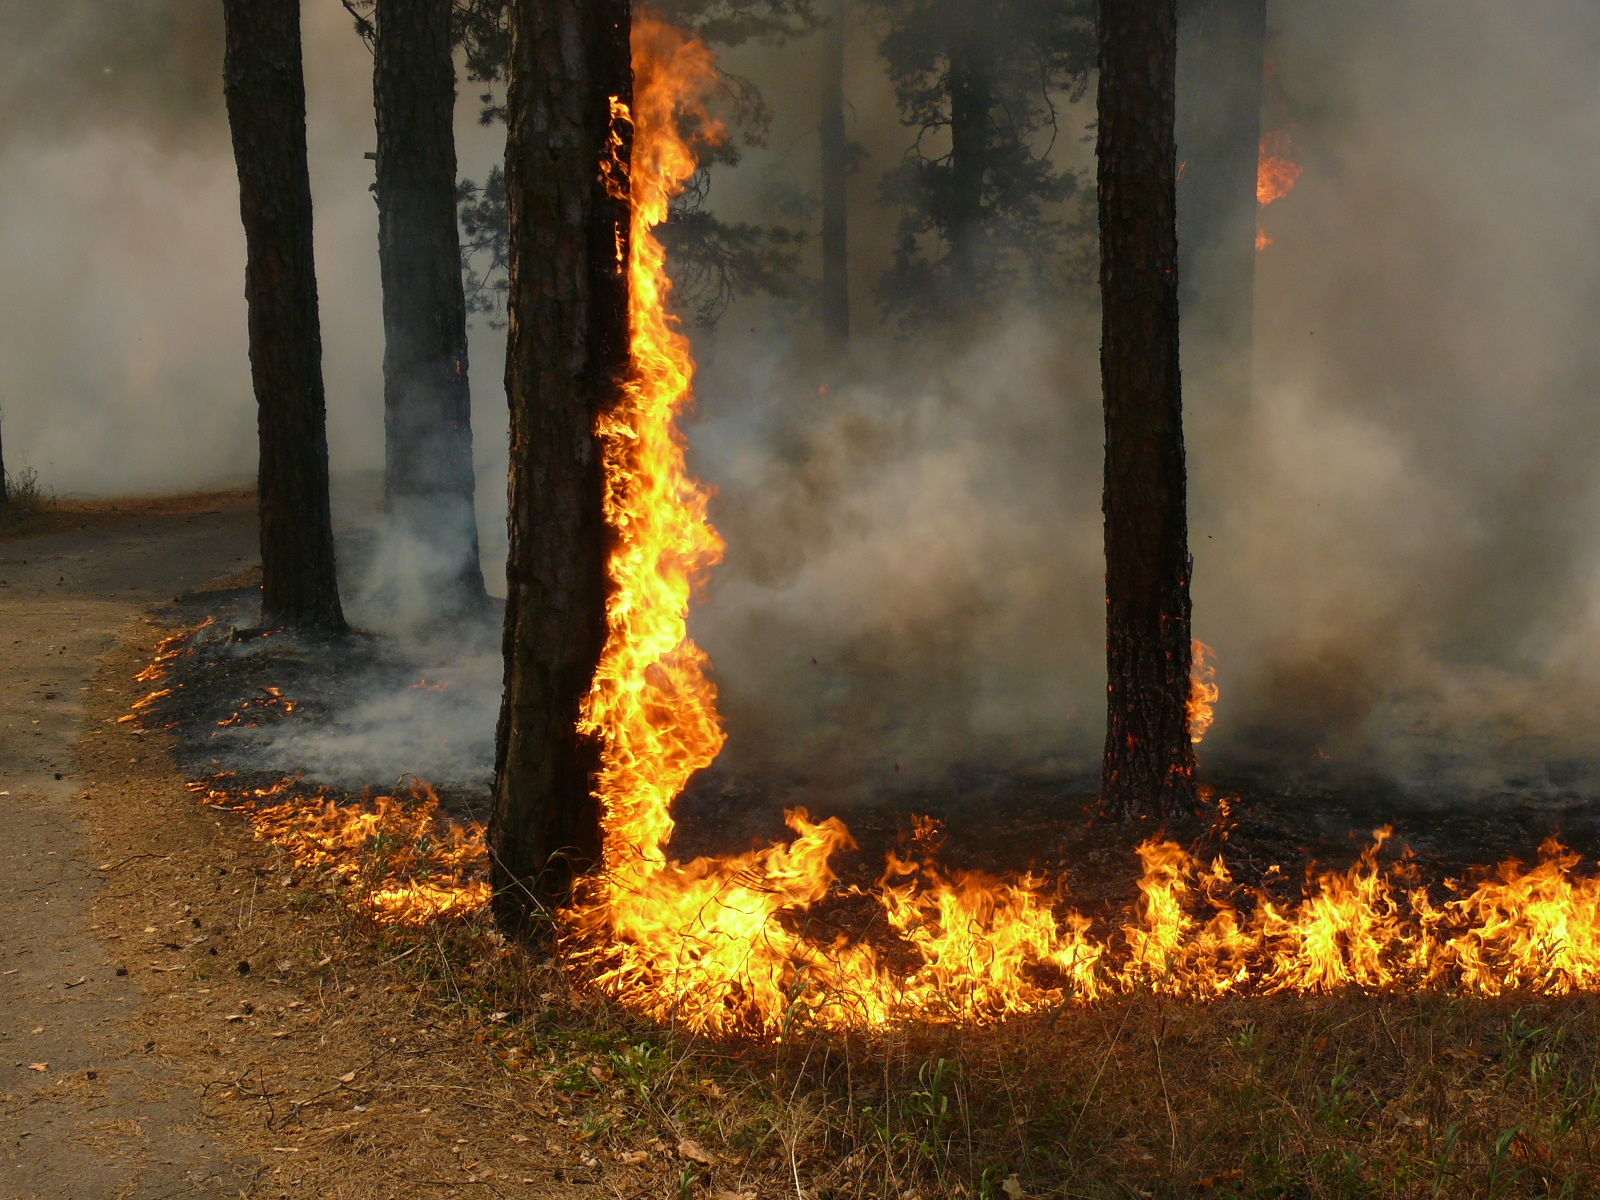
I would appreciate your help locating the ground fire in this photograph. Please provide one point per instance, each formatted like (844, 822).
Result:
(724, 944)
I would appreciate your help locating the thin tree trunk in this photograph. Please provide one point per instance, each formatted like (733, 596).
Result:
(5, 494)
(565, 361)
(1221, 62)
(971, 91)
(427, 404)
(835, 183)
(1149, 760)
(264, 84)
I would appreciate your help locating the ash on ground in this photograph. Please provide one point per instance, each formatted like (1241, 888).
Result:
(355, 713)
(366, 713)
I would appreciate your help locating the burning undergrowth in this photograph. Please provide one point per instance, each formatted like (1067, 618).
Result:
(811, 927)
(304, 757)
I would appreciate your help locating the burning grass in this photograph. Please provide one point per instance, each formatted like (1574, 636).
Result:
(772, 942)
(475, 1063)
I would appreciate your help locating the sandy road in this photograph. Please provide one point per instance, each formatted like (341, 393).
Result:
(84, 1113)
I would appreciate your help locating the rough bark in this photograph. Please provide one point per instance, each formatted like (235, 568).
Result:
(427, 404)
(835, 184)
(1221, 62)
(1149, 761)
(264, 85)
(566, 357)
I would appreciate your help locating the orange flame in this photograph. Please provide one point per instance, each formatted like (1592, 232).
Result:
(722, 943)
(393, 857)
(1276, 175)
(1203, 691)
(731, 943)
(1277, 172)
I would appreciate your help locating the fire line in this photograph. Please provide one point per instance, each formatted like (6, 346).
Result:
(722, 944)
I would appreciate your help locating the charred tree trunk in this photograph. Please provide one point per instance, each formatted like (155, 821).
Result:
(971, 89)
(1221, 62)
(264, 84)
(565, 361)
(1149, 759)
(835, 184)
(427, 405)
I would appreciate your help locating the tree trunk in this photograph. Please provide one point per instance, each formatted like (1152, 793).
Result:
(264, 85)
(835, 184)
(1221, 62)
(1149, 760)
(566, 358)
(5, 493)
(427, 405)
(971, 89)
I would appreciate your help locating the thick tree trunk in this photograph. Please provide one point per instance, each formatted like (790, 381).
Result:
(835, 184)
(427, 405)
(1221, 62)
(264, 84)
(971, 89)
(1149, 759)
(565, 361)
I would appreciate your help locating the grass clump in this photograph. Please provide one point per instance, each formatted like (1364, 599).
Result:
(1340, 1097)
(27, 502)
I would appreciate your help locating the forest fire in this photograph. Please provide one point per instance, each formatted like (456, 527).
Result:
(718, 943)
(738, 943)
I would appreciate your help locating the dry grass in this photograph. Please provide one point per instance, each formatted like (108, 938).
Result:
(35, 509)
(353, 1061)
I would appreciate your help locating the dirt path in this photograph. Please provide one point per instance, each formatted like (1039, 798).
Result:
(85, 1111)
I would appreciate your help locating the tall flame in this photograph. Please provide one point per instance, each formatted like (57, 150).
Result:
(1203, 691)
(727, 943)
(731, 943)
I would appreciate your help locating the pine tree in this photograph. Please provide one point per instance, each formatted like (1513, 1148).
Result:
(264, 86)
(566, 357)
(983, 218)
(835, 183)
(1221, 62)
(429, 485)
(1149, 760)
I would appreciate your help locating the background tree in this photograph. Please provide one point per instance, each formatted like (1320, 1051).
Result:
(429, 485)
(1149, 762)
(566, 355)
(1221, 64)
(979, 80)
(836, 156)
(713, 261)
(264, 86)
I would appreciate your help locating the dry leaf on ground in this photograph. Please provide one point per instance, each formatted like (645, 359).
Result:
(695, 1152)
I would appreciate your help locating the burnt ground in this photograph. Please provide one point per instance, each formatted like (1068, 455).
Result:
(1277, 828)
(225, 711)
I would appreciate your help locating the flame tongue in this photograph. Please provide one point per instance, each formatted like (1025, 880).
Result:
(717, 944)
(651, 705)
